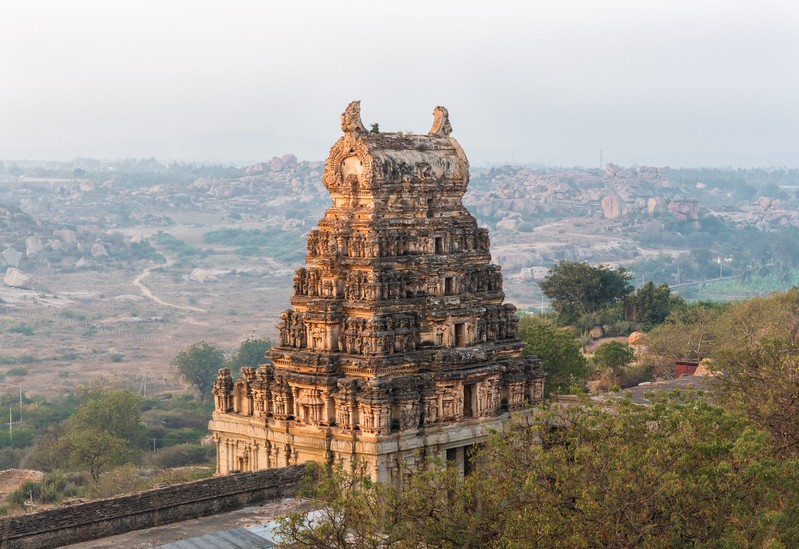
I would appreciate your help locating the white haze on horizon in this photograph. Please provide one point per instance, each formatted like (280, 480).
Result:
(675, 83)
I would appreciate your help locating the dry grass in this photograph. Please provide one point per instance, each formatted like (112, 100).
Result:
(93, 326)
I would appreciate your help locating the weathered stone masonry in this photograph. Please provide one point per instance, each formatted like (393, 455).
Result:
(398, 345)
(108, 517)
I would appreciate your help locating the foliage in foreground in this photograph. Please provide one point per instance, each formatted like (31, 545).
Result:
(678, 473)
(757, 365)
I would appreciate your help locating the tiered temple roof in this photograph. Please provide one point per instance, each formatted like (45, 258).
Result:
(397, 335)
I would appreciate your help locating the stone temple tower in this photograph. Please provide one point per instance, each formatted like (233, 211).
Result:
(398, 345)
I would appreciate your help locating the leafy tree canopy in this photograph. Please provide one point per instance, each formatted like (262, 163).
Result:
(250, 353)
(651, 305)
(105, 431)
(577, 288)
(115, 412)
(614, 355)
(199, 364)
(753, 346)
(558, 350)
(95, 450)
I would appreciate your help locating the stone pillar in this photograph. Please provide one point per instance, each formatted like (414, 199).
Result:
(218, 444)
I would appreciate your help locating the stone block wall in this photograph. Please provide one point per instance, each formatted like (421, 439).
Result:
(108, 517)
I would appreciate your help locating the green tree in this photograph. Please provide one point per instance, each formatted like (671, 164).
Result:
(117, 413)
(104, 431)
(650, 305)
(96, 451)
(576, 289)
(614, 355)
(680, 472)
(251, 352)
(558, 350)
(199, 364)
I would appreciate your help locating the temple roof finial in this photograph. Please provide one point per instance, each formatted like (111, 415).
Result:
(441, 126)
(351, 119)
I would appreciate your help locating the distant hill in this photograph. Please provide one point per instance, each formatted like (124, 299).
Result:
(229, 147)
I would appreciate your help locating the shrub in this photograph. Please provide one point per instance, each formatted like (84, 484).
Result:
(10, 457)
(635, 375)
(182, 455)
(185, 474)
(23, 329)
(614, 355)
(74, 315)
(121, 480)
(17, 371)
(54, 487)
(176, 245)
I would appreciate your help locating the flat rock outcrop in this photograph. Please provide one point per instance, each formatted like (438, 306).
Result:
(11, 256)
(656, 204)
(685, 210)
(98, 250)
(612, 207)
(17, 279)
(66, 235)
(33, 246)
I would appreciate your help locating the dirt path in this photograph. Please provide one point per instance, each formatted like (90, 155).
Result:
(147, 293)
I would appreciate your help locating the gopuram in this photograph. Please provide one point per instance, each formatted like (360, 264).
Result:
(398, 345)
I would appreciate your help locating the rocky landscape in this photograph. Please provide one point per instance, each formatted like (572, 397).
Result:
(618, 216)
(109, 268)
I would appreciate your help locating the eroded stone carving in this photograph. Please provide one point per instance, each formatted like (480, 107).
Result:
(441, 126)
(351, 119)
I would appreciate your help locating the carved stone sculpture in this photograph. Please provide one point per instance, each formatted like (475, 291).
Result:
(441, 126)
(351, 119)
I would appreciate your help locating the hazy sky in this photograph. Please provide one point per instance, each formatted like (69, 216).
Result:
(649, 82)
